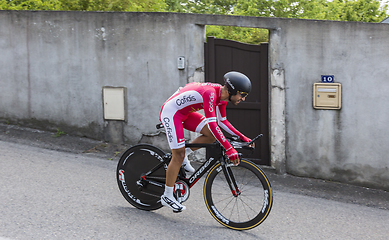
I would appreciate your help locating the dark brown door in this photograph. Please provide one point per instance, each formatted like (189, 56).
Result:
(252, 116)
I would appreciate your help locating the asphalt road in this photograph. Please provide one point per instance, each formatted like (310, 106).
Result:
(52, 194)
(64, 187)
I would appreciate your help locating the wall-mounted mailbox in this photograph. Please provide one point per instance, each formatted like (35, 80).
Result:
(327, 95)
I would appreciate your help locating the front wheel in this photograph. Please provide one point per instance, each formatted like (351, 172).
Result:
(246, 210)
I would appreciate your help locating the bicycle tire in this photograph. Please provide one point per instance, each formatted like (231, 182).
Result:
(135, 162)
(247, 210)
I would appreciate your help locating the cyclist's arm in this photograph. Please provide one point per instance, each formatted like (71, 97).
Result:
(226, 125)
(209, 100)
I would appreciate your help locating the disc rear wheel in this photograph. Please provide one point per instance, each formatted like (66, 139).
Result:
(135, 162)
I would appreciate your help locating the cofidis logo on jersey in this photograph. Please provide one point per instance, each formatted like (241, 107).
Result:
(185, 99)
(169, 130)
(211, 100)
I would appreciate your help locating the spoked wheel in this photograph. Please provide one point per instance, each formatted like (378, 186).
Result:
(245, 211)
(135, 162)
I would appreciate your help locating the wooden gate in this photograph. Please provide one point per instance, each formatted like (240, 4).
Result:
(252, 116)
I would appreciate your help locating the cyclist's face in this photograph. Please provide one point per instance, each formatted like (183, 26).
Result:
(236, 99)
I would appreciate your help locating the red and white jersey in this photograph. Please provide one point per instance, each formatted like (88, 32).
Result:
(192, 98)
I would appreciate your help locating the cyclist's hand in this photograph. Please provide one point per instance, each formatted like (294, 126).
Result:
(246, 139)
(233, 156)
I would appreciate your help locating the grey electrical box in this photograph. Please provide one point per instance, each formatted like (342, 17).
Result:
(181, 62)
(114, 103)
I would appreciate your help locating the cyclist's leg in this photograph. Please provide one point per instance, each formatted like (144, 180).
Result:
(172, 121)
(168, 199)
(175, 134)
(206, 136)
(174, 166)
(196, 122)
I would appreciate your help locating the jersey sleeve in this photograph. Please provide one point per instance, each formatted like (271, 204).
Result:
(209, 102)
(221, 113)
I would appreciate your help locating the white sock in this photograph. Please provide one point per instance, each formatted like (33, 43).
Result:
(167, 199)
(168, 191)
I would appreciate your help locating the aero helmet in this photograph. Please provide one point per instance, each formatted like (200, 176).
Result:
(237, 82)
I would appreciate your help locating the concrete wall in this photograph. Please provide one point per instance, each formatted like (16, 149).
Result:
(54, 65)
(349, 145)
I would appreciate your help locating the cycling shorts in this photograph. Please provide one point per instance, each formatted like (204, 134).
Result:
(175, 122)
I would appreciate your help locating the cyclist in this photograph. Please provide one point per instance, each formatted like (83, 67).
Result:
(181, 111)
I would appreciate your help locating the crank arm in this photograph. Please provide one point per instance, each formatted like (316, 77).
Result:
(144, 182)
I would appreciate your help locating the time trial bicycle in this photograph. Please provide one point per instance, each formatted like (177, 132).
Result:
(238, 197)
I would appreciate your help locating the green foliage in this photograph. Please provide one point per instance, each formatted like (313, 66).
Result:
(59, 133)
(85, 5)
(29, 5)
(339, 10)
(240, 34)
(175, 5)
(210, 6)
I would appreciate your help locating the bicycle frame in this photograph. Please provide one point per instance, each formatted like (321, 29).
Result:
(244, 209)
(215, 154)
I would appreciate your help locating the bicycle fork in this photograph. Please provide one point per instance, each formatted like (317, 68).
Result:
(230, 179)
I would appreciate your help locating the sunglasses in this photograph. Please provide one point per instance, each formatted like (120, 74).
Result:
(243, 94)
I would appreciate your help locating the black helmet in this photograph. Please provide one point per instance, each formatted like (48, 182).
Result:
(237, 82)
